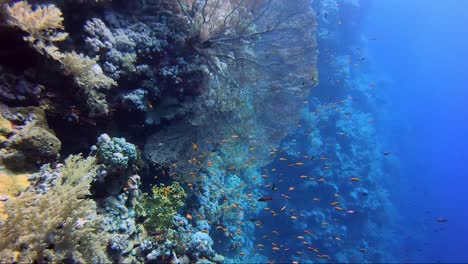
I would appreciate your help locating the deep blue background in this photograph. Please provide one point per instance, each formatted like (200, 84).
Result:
(421, 57)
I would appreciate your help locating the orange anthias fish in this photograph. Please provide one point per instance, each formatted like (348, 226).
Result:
(355, 179)
(195, 147)
(313, 249)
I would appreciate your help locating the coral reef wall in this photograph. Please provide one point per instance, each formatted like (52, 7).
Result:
(176, 104)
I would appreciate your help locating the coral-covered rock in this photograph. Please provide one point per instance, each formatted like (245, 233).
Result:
(31, 143)
(5, 129)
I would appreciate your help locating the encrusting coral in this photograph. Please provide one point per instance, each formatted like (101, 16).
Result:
(58, 226)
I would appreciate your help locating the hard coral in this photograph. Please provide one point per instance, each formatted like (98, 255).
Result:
(116, 154)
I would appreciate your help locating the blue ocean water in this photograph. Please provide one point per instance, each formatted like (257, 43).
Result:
(421, 50)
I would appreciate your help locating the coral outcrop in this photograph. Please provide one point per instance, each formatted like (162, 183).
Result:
(31, 143)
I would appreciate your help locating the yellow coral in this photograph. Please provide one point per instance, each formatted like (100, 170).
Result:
(159, 208)
(88, 75)
(42, 25)
(59, 226)
(5, 128)
(86, 71)
(11, 185)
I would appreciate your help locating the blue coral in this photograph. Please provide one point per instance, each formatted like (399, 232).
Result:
(135, 100)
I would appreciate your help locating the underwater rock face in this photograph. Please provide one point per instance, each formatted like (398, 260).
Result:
(32, 143)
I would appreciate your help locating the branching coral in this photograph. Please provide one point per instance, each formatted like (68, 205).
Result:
(88, 75)
(161, 206)
(42, 24)
(58, 226)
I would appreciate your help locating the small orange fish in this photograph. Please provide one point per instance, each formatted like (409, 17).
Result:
(313, 249)
(242, 254)
(282, 208)
(234, 136)
(355, 179)
(300, 237)
(323, 256)
(338, 208)
(316, 199)
(303, 177)
(291, 188)
(299, 163)
(195, 147)
(224, 140)
(251, 149)
(283, 159)
(189, 217)
(321, 180)
(293, 217)
(275, 248)
(308, 232)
